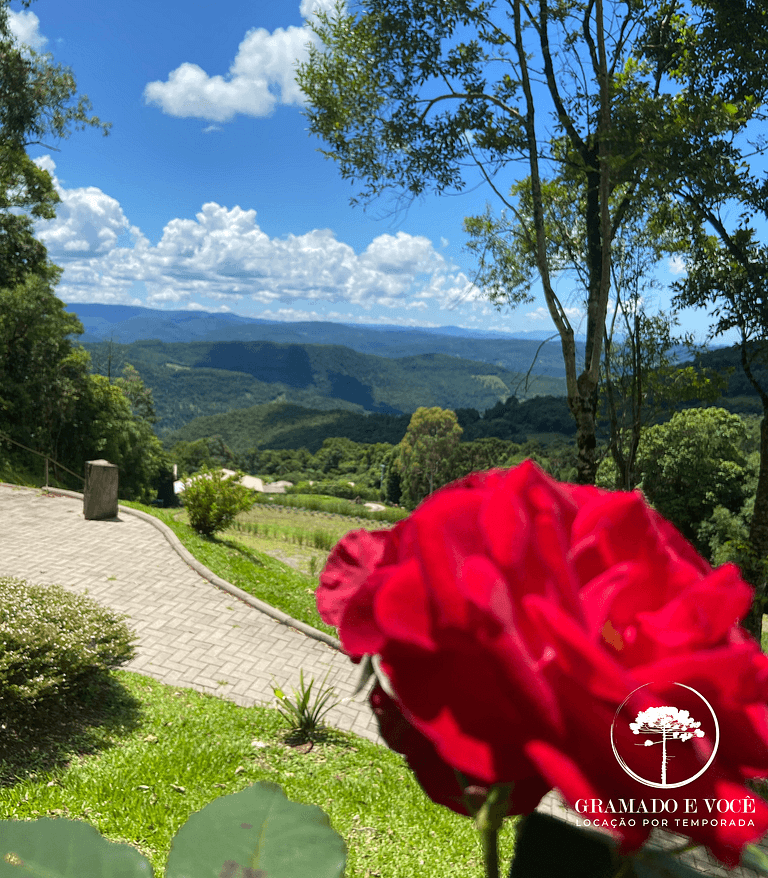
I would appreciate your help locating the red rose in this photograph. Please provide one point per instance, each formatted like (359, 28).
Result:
(513, 617)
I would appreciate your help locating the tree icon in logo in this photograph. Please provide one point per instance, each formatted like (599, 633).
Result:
(671, 724)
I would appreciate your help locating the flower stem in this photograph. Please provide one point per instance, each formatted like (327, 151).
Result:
(489, 839)
(488, 821)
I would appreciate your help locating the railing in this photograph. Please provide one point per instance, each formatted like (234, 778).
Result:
(48, 459)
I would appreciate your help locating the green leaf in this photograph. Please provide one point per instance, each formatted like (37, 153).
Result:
(257, 833)
(755, 858)
(541, 843)
(60, 848)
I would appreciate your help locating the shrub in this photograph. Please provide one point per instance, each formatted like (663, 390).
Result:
(342, 490)
(213, 501)
(53, 643)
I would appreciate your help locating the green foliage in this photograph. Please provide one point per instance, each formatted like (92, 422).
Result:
(643, 380)
(41, 373)
(152, 755)
(426, 453)
(106, 424)
(256, 832)
(201, 379)
(51, 403)
(38, 104)
(53, 644)
(304, 714)
(343, 490)
(213, 500)
(190, 457)
(691, 465)
(330, 505)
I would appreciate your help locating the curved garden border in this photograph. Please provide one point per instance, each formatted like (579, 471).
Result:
(210, 576)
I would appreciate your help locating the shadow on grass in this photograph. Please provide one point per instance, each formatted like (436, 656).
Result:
(237, 547)
(83, 724)
(304, 741)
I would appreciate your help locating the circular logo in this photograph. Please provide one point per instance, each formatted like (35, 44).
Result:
(669, 728)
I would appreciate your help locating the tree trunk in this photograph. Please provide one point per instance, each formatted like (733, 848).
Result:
(758, 536)
(584, 409)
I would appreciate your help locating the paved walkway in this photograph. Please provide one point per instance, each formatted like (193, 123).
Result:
(190, 632)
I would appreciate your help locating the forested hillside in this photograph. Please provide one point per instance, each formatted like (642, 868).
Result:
(280, 425)
(546, 417)
(125, 324)
(190, 380)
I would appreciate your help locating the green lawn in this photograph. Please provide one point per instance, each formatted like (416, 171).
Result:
(234, 556)
(144, 756)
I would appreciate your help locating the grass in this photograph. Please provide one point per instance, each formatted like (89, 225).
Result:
(333, 506)
(142, 757)
(239, 562)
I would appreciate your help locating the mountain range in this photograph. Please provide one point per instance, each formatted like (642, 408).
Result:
(125, 324)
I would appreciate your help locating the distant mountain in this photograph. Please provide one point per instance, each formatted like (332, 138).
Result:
(125, 324)
(193, 379)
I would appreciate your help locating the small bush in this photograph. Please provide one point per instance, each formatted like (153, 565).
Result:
(339, 489)
(213, 501)
(323, 540)
(53, 644)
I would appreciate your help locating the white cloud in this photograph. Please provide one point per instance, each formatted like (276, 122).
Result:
(676, 265)
(87, 222)
(223, 256)
(262, 75)
(25, 26)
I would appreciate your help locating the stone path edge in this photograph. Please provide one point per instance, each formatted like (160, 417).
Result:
(209, 575)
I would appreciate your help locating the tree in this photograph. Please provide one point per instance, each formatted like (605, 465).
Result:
(426, 452)
(38, 104)
(722, 195)
(41, 372)
(642, 381)
(690, 465)
(408, 96)
(103, 424)
(729, 272)
(671, 724)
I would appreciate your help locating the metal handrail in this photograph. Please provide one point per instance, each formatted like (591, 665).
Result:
(47, 459)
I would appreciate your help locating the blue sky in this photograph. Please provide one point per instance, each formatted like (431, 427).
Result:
(209, 193)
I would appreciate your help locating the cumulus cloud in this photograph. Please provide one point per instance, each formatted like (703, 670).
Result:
(223, 256)
(88, 222)
(262, 75)
(25, 27)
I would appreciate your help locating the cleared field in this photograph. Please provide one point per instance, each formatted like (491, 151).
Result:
(299, 537)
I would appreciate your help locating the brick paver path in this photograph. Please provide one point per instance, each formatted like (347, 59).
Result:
(190, 632)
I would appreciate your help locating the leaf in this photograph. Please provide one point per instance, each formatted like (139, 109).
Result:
(257, 832)
(542, 841)
(48, 848)
(755, 858)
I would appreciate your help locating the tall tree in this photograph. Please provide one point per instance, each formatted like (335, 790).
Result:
(721, 194)
(728, 272)
(41, 372)
(408, 96)
(426, 452)
(39, 105)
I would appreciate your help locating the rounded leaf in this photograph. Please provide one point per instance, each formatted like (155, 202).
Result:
(60, 848)
(257, 833)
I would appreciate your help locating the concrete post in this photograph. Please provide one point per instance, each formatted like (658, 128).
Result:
(100, 494)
